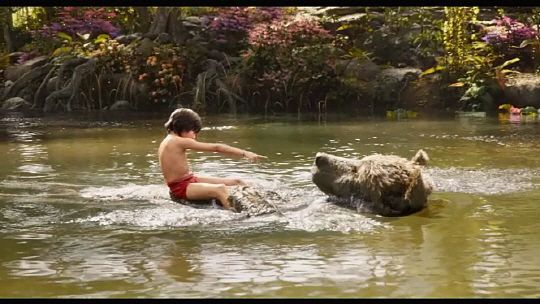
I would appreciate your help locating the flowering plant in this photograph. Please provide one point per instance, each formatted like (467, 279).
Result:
(163, 72)
(231, 24)
(509, 31)
(283, 47)
(511, 38)
(74, 21)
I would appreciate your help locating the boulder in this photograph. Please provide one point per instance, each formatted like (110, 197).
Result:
(120, 105)
(146, 46)
(386, 185)
(400, 74)
(217, 55)
(163, 38)
(522, 90)
(192, 22)
(127, 39)
(13, 73)
(15, 104)
(193, 19)
(362, 69)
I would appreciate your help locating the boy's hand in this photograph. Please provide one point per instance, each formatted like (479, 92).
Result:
(253, 157)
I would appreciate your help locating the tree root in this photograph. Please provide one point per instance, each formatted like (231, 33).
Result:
(39, 97)
(64, 66)
(70, 90)
(26, 79)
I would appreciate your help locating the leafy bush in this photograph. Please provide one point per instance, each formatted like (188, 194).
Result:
(511, 38)
(230, 26)
(162, 71)
(509, 33)
(75, 21)
(289, 57)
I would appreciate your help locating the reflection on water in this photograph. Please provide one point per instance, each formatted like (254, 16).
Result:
(85, 213)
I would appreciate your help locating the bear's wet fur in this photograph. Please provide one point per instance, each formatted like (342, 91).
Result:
(386, 185)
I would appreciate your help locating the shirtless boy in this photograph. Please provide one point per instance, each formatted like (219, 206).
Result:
(183, 126)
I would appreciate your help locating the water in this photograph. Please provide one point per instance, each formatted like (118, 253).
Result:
(84, 212)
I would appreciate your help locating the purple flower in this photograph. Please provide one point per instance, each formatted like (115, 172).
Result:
(205, 20)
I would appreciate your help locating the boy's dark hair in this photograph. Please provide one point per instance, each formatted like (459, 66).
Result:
(183, 120)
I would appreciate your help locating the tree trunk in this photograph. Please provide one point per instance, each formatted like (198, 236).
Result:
(49, 13)
(159, 24)
(175, 27)
(167, 21)
(143, 18)
(7, 24)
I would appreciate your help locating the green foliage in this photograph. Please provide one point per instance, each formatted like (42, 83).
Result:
(457, 36)
(397, 36)
(289, 59)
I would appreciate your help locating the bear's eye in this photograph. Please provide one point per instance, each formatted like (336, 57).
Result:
(354, 170)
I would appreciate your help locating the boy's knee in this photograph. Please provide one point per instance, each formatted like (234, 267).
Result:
(222, 189)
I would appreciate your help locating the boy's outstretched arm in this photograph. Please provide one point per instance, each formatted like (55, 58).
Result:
(190, 143)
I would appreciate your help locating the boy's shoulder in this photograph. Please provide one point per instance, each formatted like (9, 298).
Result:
(177, 140)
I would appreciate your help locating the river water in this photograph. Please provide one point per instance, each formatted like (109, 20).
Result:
(84, 212)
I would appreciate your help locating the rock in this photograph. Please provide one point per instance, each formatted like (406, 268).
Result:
(217, 55)
(522, 90)
(150, 36)
(391, 84)
(190, 25)
(13, 73)
(146, 47)
(8, 83)
(386, 185)
(193, 19)
(15, 104)
(192, 22)
(163, 38)
(120, 105)
(362, 69)
(400, 74)
(122, 39)
(127, 39)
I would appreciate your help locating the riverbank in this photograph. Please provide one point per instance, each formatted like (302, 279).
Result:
(358, 61)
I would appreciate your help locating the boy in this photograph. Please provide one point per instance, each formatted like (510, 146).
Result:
(183, 126)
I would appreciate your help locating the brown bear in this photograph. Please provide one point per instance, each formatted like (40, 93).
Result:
(386, 185)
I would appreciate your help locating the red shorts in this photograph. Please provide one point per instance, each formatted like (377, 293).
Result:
(179, 187)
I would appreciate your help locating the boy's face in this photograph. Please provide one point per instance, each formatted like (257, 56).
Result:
(189, 134)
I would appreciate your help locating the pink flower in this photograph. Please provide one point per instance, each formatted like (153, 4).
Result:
(515, 111)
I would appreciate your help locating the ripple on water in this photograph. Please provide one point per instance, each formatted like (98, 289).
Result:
(483, 181)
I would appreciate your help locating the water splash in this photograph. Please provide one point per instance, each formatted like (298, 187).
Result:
(127, 192)
(306, 211)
